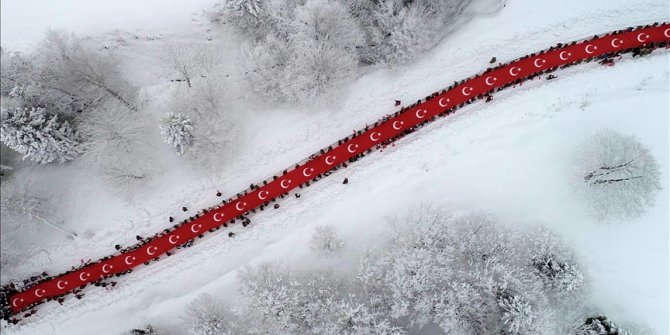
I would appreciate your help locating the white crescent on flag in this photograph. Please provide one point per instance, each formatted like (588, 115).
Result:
(288, 181)
(443, 104)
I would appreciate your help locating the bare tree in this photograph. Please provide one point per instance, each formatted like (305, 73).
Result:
(21, 205)
(188, 61)
(67, 67)
(8, 253)
(116, 146)
(619, 176)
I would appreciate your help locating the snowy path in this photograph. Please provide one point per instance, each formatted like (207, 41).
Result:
(385, 131)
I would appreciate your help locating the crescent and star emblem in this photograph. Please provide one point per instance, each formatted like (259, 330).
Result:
(421, 113)
(306, 173)
(194, 229)
(151, 250)
(263, 194)
(443, 104)
(642, 37)
(466, 91)
(514, 71)
(288, 182)
(39, 292)
(590, 48)
(564, 55)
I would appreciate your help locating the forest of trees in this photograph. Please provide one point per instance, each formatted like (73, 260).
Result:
(438, 274)
(299, 50)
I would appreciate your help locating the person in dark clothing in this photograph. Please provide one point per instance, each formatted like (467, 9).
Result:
(184, 209)
(297, 195)
(171, 219)
(276, 206)
(218, 193)
(345, 181)
(493, 60)
(231, 234)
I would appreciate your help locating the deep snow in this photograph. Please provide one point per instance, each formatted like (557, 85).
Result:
(510, 158)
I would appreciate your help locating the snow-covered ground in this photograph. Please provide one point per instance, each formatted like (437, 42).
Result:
(510, 157)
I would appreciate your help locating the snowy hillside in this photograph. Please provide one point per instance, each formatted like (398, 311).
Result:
(512, 158)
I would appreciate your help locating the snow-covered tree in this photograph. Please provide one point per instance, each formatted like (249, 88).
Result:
(399, 30)
(39, 136)
(325, 241)
(116, 146)
(20, 205)
(355, 318)
(14, 69)
(189, 61)
(258, 18)
(315, 52)
(292, 303)
(177, 130)
(207, 316)
(148, 330)
(517, 314)
(619, 176)
(65, 67)
(446, 271)
(8, 253)
(214, 126)
(557, 266)
(438, 274)
(599, 325)
(558, 275)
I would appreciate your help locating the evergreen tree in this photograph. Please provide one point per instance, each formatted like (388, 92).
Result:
(599, 325)
(517, 315)
(177, 130)
(557, 275)
(39, 136)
